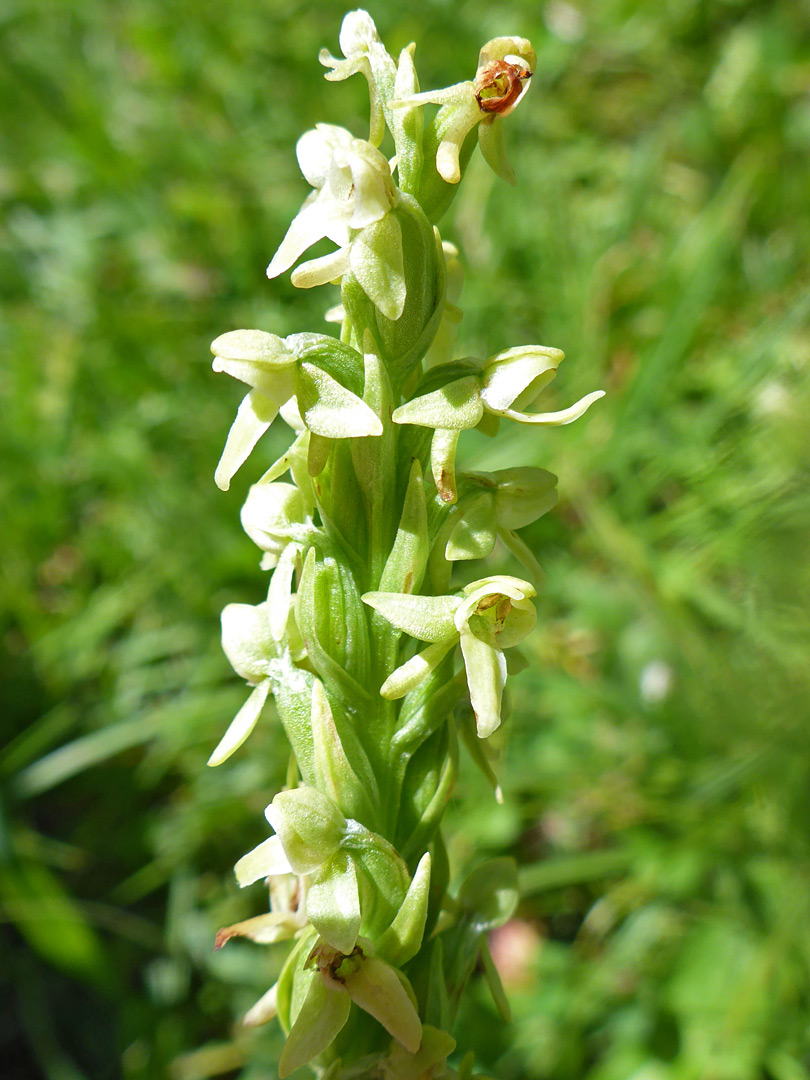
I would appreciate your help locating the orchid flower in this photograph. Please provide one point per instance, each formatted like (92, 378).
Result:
(285, 375)
(493, 506)
(505, 66)
(248, 642)
(491, 615)
(339, 980)
(354, 192)
(364, 53)
(513, 377)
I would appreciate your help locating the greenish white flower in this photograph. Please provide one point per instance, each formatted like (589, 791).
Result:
(490, 615)
(365, 54)
(274, 516)
(505, 66)
(501, 388)
(354, 193)
(492, 506)
(285, 375)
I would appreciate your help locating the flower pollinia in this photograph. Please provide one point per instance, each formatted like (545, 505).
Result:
(362, 523)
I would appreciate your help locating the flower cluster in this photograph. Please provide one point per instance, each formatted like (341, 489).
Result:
(361, 524)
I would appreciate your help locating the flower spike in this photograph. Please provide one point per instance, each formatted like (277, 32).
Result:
(361, 522)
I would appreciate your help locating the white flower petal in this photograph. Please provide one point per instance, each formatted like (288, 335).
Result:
(510, 373)
(428, 618)
(443, 463)
(555, 419)
(279, 596)
(263, 929)
(311, 224)
(321, 271)
(486, 678)
(410, 674)
(330, 410)
(266, 860)
(254, 416)
(246, 640)
(242, 724)
(264, 1009)
(316, 148)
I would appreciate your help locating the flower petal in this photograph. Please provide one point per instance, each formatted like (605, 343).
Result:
(323, 1014)
(264, 1009)
(253, 346)
(510, 373)
(247, 641)
(410, 674)
(254, 416)
(329, 409)
(458, 94)
(443, 463)
(311, 224)
(486, 678)
(457, 125)
(376, 987)
(323, 270)
(263, 929)
(279, 595)
(265, 860)
(309, 824)
(456, 406)
(559, 418)
(242, 724)
(333, 903)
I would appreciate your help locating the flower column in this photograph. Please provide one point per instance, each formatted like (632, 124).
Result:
(357, 637)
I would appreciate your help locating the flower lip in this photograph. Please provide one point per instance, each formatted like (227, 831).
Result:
(500, 85)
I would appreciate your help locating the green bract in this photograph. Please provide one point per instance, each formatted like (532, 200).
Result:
(360, 523)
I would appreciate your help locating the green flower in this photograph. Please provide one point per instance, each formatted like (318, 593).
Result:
(339, 980)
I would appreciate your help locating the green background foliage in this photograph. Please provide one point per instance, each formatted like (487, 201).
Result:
(655, 766)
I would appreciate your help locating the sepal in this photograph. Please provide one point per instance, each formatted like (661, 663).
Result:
(382, 992)
(309, 825)
(273, 515)
(322, 1016)
(247, 640)
(455, 406)
(428, 618)
(268, 859)
(333, 902)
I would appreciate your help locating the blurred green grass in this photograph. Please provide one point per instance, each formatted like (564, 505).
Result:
(656, 763)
